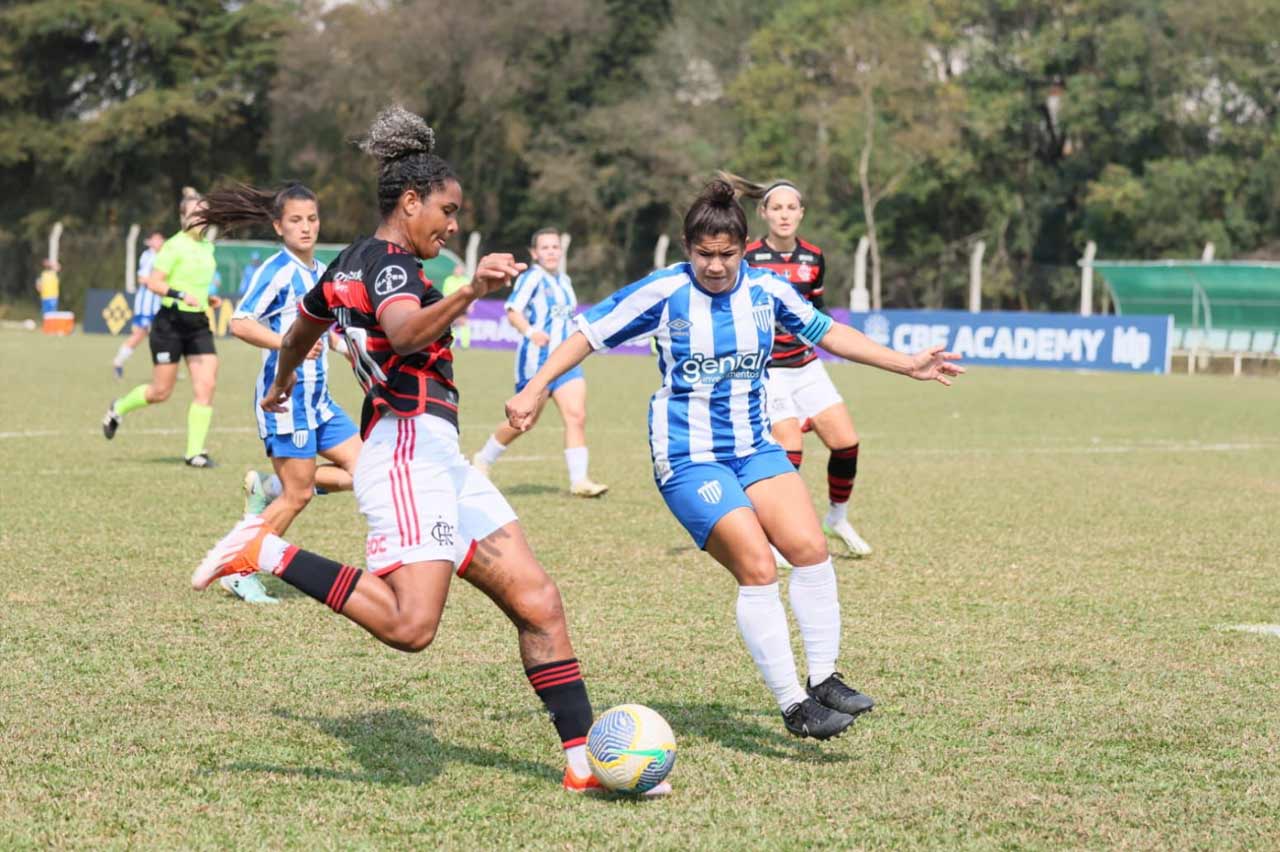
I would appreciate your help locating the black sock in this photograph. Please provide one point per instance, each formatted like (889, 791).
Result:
(795, 457)
(842, 469)
(327, 581)
(562, 690)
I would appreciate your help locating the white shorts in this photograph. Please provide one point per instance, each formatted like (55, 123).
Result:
(799, 391)
(421, 498)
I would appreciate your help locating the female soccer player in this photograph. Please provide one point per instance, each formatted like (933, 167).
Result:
(717, 467)
(183, 273)
(429, 512)
(797, 385)
(313, 424)
(541, 308)
(145, 304)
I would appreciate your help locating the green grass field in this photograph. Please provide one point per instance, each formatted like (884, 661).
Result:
(1043, 625)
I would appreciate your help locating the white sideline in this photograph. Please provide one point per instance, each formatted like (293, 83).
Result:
(1265, 629)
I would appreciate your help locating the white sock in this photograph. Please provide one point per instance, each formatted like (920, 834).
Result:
(577, 757)
(763, 624)
(492, 450)
(273, 487)
(576, 459)
(816, 604)
(122, 355)
(837, 512)
(271, 554)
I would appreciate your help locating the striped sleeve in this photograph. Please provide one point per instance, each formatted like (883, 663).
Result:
(264, 288)
(794, 312)
(633, 311)
(522, 292)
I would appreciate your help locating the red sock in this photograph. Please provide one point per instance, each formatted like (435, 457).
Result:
(795, 457)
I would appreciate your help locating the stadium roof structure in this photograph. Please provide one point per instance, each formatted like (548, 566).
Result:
(1199, 294)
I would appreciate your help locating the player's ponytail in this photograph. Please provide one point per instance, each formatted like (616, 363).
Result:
(241, 205)
(402, 143)
(715, 211)
(758, 191)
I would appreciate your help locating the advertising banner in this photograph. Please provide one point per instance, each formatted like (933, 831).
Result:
(1131, 344)
(111, 312)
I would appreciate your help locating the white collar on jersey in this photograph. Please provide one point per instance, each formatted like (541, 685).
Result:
(315, 264)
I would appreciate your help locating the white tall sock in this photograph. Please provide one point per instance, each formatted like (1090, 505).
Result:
(576, 757)
(837, 512)
(816, 604)
(271, 554)
(492, 450)
(763, 624)
(122, 355)
(576, 459)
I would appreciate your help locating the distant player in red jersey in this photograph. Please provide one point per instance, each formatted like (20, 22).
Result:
(798, 386)
(429, 512)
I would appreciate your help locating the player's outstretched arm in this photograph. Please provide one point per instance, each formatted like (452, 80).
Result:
(298, 342)
(414, 329)
(933, 364)
(566, 356)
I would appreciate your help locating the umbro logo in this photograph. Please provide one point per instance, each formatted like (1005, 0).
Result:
(679, 327)
(711, 492)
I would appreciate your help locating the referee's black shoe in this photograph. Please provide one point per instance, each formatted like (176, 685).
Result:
(811, 719)
(838, 695)
(111, 422)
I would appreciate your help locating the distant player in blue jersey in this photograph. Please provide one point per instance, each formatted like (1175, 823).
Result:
(715, 462)
(145, 304)
(314, 425)
(541, 308)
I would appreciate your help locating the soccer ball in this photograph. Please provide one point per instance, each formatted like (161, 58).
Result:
(631, 748)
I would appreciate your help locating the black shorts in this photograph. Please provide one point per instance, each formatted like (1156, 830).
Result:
(175, 334)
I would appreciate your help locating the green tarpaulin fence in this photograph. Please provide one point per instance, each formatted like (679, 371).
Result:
(1200, 295)
(234, 257)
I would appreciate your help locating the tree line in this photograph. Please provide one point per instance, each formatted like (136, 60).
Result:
(926, 125)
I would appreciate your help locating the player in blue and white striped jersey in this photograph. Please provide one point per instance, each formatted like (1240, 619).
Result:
(145, 304)
(314, 425)
(541, 308)
(715, 462)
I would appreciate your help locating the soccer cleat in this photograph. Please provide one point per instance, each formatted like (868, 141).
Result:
(236, 553)
(255, 494)
(811, 719)
(587, 488)
(838, 695)
(844, 531)
(590, 784)
(118, 369)
(110, 422)
(200, 459)
(480, 464)
(248, 589)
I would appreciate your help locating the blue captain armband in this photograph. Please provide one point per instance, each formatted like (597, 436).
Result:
(816, 328)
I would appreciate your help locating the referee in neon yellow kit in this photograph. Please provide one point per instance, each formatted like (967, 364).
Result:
(183, 273)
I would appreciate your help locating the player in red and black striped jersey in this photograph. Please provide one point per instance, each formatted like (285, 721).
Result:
(799, 389)
(429, 512)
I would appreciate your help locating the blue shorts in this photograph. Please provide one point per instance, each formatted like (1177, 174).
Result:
(575, 373)
(309, 443)
(699, 494)
(48, 306)
(142, 320)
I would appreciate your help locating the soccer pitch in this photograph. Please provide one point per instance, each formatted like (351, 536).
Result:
(1044, 626)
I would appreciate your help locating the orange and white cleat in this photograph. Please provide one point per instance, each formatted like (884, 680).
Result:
(590, 784)
(236, 553)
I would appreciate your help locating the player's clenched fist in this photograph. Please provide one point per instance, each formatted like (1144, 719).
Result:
(495, 271)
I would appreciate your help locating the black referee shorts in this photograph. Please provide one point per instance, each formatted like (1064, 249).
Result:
(175, 334)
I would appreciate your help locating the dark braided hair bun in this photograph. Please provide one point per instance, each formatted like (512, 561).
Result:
(397, 133)
(402, 143)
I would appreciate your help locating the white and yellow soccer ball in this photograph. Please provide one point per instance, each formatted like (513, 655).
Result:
(631, 748)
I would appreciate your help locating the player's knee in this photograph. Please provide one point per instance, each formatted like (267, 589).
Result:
(414, 633)
(540, 606)
(756, 567)
(297, 498)
(809, 552)
(160, 393)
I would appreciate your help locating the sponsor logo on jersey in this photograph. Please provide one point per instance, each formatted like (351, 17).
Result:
(375, 545)
(562, 312)
(803, 256)
(679, 327)
(356, 275)
(708, 370)
(711, 492)
(390, 280)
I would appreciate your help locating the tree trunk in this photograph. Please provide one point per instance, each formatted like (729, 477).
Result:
(868, 199)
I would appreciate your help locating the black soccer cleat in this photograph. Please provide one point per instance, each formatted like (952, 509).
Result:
(200, 460)
(838, 695)
(811, 719)
(111, 422)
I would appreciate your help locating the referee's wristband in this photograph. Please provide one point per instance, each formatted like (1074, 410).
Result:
(175, 294)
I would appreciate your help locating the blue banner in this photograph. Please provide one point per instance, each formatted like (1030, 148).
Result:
(1131, 344)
